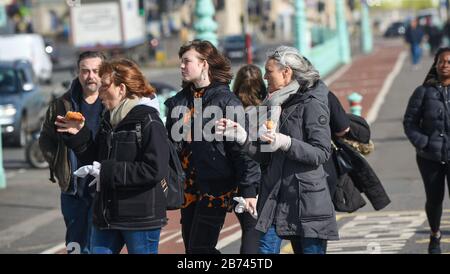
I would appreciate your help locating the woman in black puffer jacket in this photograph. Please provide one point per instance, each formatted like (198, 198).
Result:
(426, 123)
(132, 148)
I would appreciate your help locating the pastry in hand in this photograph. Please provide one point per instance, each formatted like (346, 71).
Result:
(74, 116)
(269, 124)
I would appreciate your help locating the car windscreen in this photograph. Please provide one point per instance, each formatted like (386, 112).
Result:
(7, 81)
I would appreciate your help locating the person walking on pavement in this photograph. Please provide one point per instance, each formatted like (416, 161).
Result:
(434, 35)
(414, 36)
(426, 125)
(294, 196)
(132, 154)
(76, 198)
(249, 87)
(270, 243)
(214, 169)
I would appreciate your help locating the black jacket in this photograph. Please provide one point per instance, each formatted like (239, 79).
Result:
(62, 161)
(131, 196)
(220, 166)
(426, 121)
(364, 179)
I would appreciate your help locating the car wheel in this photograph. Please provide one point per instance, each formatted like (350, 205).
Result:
(34, 155)
(22, 135)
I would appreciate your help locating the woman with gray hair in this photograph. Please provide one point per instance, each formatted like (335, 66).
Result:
(293, 143)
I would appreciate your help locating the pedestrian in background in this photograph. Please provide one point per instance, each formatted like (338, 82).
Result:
(214, 169)
(426, 125)
(414, 36)
(76, 198)
(132, 154)
(434, 35)
(294, 198)
(249, 87)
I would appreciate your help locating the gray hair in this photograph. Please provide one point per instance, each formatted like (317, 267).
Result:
(303, 70)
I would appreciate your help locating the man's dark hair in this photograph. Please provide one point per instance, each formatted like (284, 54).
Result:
(90, 54)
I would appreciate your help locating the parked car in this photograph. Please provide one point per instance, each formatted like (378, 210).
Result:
(22, 103)
(233, 47)
(29, 47)
(396, 29)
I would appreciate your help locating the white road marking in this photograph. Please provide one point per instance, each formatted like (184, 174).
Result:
(375, 108)
(368, 234)
(168, 238)
(229, 239)
(329, 80)
(27, 227)
(55, 249)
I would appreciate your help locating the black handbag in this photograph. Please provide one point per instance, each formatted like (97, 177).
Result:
(341, 160)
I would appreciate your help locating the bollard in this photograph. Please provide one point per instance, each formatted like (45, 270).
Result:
(2, 170)
(355, 100)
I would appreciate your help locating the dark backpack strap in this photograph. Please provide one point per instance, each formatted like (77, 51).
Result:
(139, 130)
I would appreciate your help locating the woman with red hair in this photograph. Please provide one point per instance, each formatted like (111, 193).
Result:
(132, 157)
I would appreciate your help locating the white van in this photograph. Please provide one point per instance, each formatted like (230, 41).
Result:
(29, 47)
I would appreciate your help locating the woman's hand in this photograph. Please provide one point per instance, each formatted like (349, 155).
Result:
(275, 141)
(250, 206)
(68, 126)
(231, 130)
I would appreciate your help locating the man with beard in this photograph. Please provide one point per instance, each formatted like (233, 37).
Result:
(76, 195)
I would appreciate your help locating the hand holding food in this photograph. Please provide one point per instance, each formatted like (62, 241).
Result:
(75, 116)
(270, 124)
(71, 123)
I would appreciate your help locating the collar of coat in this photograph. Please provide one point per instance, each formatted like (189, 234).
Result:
(319, 91)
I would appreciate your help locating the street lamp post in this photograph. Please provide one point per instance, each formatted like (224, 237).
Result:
(344, 43)
(205, 26)
(366, 30)
(301, 42)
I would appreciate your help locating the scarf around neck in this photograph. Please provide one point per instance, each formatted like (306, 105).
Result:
(120, 111)
(273, 103)
(277, 98)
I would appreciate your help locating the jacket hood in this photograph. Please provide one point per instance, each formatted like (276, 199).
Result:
(318, 91)
(151, 102)
(138, 113)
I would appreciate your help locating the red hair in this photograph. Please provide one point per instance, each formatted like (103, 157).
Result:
(124, 71)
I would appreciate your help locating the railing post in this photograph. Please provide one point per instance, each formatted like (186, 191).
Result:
(366, 29)
(301, 42)
(344, 40)
(205, 26)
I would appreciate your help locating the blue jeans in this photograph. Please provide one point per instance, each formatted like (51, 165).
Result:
(270, 243)
(309, 246)
(77, 213)
(137, 242)
(416, 52)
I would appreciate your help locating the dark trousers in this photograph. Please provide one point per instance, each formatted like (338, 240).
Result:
(250, 236)
(201, 227)
(434, 174)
